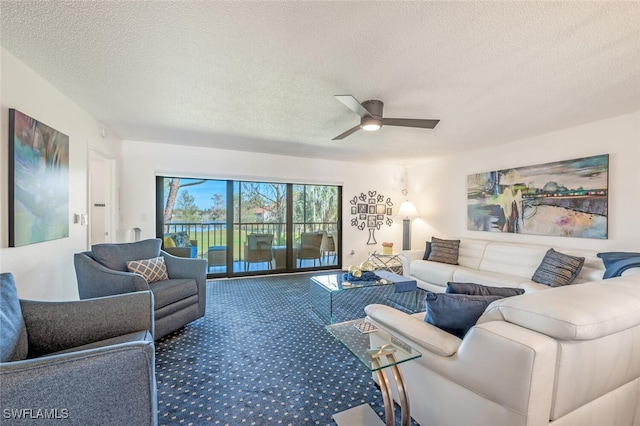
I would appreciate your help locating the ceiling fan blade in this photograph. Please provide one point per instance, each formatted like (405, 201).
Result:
(347, 133)
(410, 122)
(353, 104)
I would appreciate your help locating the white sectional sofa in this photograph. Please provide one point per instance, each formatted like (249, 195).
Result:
(493, 263)
(565, 356)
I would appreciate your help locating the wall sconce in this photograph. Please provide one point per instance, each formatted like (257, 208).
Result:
(408, 211)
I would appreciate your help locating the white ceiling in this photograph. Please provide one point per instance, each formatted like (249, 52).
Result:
(260, 76)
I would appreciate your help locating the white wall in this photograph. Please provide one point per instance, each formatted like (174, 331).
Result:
(142, 161)
(44, 271)
(441, 184)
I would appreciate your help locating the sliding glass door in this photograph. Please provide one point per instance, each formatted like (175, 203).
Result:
(260, 226)
(248, 227)
(193, 213)
(315, 225)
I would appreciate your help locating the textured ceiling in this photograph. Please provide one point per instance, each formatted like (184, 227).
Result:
(260, 76)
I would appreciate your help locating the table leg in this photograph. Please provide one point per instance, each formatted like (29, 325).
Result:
(402, 393)
(383, 381)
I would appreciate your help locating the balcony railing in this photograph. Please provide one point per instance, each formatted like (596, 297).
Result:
(214, 234)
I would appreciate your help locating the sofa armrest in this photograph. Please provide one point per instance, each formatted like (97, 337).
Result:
(406, 257)
(413, 329)
(521, 378)
(57, 326)
(84, 386)
(181, 267)
(96, 280)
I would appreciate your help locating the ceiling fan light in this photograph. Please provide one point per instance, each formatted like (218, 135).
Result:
(370, 124)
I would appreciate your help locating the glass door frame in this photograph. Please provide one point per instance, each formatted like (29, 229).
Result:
(232, 227)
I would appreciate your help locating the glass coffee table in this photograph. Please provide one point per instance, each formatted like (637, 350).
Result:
(386, 354)
(333, 298)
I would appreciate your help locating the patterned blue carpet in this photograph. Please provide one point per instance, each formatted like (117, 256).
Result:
(260, 356)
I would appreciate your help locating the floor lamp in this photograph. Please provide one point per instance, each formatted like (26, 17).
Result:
(407, 211)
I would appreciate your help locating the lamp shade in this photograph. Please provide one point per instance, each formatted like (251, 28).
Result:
(408, 210)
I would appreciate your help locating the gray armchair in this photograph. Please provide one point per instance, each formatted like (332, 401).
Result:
(78, 362)
(178, 299)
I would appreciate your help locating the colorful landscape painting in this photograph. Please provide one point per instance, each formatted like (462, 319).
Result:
(38, 181)
(566, 198)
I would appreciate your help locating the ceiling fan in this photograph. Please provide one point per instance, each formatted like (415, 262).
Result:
(370, 113)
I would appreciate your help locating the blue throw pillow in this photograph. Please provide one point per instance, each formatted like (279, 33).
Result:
(13, 335)
(616, 262)
(427, 251)
(481, 290)
(455, 313)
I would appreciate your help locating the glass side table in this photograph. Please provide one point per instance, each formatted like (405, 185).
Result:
(387, 262)
(378, 360)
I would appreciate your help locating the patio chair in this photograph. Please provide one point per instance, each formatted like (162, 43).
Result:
(257, 249)
(84, 362)
(180, 244)
(328, 246)
(216, 257)
(309, 248)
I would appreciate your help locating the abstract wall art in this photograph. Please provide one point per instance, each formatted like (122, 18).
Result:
(38, 181)
(565, 198)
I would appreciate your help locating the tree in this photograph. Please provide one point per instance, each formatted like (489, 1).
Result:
(174, 187)
(188, 207)
(218, 210)
(270, 198)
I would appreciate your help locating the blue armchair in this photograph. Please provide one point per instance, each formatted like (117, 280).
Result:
(179, 296)
(78, 362)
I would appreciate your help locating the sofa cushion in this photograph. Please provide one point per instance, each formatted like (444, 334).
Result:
(444, 251)
(151, 269)
(481, 290)
(13, 332)
(558, 269)
(488, 278)
(514, 259)
(455, 313)
(471, 252)
(570, 313)
(116, 256)
(172, 290)
(433, 272)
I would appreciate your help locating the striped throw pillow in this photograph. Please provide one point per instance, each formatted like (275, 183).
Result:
(444, 251)
(151, 269)
(558, 269)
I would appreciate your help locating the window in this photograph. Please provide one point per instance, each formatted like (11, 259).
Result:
(275, 227)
